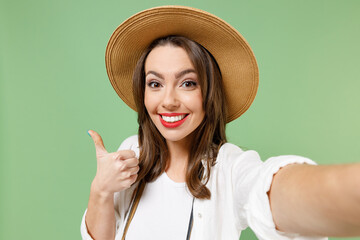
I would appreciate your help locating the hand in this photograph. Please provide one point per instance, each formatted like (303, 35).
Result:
(116, 171)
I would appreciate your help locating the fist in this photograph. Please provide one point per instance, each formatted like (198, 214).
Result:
(116, 171)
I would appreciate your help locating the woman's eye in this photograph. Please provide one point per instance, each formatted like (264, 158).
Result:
(189, 84)
(154, 84)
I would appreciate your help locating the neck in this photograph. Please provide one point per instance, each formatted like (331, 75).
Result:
(178, 159)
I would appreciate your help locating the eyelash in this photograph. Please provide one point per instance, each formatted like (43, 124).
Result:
(193, 84)
(151, 84)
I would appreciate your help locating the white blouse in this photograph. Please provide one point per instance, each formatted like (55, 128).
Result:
(239, 183)
(163, 212)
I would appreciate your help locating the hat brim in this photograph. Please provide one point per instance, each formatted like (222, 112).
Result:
(233, 54)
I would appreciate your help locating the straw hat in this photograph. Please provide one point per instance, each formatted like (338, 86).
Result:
(233, 54)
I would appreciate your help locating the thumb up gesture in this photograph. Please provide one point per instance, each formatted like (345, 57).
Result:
(116, 171)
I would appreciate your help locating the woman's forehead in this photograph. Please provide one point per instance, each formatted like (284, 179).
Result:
(168, 59)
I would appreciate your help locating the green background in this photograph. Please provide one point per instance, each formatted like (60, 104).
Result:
(54, 87)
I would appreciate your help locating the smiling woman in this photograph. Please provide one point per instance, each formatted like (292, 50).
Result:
(176, 76)
(173, 97)
(191, 73)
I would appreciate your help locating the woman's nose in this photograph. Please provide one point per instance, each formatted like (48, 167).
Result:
(170, 100)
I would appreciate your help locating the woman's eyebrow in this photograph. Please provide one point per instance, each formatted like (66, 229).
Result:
(155, 73)
(177, 76)
(182, 73)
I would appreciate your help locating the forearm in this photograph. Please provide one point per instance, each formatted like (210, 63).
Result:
(100, 215)
(317, 200)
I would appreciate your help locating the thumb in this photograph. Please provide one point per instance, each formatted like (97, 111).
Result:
(99, 144)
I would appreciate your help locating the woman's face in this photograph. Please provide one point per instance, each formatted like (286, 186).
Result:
(173, 96)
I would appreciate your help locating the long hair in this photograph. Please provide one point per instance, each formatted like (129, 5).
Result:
(208, 136)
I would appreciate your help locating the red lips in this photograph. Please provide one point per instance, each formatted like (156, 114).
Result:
(172, 124)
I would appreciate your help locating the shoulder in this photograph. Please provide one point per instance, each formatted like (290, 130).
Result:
(132, 140)
(235, 162)
(230, 153)
(229, 148)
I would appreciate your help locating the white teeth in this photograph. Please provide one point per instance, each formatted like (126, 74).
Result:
(173, 118)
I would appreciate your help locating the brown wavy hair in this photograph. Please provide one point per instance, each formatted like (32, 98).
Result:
(208, 136)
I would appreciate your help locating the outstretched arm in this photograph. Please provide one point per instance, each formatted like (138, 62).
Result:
(317, 200)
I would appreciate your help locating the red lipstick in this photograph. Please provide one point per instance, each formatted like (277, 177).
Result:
(172, 124)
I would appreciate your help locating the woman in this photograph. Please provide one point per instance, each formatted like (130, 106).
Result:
(179, 179)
